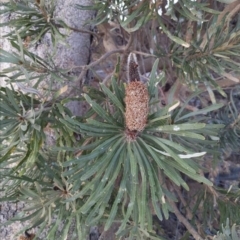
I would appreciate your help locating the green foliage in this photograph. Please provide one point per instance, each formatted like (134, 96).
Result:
(210, 56)
(230, 117)
(210, 200)
(227, 233)
(32, 20)
(117, 10)
(199, 57)
(113, 171)
(30, 171)
(23, 120)
(44, 192)
(26, 67)
(112, 174)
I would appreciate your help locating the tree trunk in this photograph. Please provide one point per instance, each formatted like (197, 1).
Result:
(78, 51)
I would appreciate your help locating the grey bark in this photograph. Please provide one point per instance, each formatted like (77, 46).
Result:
(77, 54)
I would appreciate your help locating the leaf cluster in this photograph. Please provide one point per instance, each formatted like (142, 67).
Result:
(31, 20)
(207, 51)
(27, 67)
(23, 120)
(114, 171)
(213, 56)
(229, 116)
(228, 233)
(109, 170)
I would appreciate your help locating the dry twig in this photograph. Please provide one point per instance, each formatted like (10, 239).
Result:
(184, 221)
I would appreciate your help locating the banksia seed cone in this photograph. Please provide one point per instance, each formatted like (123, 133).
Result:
(136, 106)
(136, 98)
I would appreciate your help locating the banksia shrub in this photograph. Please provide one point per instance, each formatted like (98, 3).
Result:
(122, 167)
(133, 149)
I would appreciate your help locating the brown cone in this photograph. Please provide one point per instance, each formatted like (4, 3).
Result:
(29, 237)
(136, 106)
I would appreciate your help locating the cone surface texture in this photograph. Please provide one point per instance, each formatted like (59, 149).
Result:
(136, 100)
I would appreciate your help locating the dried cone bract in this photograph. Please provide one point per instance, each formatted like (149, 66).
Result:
(29, 237)
(136, 106)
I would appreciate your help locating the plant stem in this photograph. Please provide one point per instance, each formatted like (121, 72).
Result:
(186, 223)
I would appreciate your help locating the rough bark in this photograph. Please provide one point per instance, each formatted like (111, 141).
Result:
(78, 52)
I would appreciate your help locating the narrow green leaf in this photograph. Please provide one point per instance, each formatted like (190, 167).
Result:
(112, 151)
(102, 124)
(85, 188)
(188, 135)
(8, 154)
(132, 159)
(173, 175)
(131, 17)
(183, 163)
(65, 230)
(126, 217)
(202, 111)
(96, 213)
(139, 23)
(12, 99)
(19, 217)
(177, 146)
(29, 192)
(155, 203)
(168, 170)
(153, 78)
(97, 152)
(8, 109)
(142, 202)
(132, 196)
(157, 120)
(187, 13)
(8, 57)
(87, 7)
(150, 168)
(181, 127)
(79, 226)
(113, 170)
(117, 90)
(183, 106)
(172, 37)
(87, 129)
(99, 110)
(90, 172)
(20, 43)
(166, 210)
(114, 208)
(197, 177)
(112, 97)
